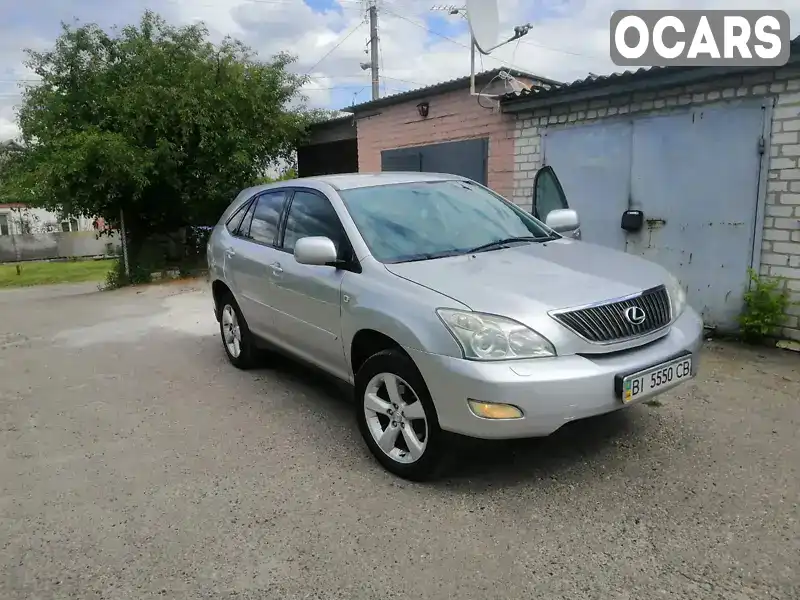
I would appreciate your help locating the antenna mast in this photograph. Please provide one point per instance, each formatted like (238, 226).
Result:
(519, 31)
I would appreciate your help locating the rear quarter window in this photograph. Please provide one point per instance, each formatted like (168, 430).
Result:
(236, 220)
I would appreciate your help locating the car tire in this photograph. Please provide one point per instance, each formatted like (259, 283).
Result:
(237, 340)
(413, 447)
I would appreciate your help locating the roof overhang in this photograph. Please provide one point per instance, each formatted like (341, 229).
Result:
(453, 85)
(334, 130)
(629, 82)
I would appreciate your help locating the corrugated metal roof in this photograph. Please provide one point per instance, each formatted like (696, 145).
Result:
(333, 121)
(598, 81)
(444, 86)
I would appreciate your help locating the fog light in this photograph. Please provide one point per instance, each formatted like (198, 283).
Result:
(491, 410)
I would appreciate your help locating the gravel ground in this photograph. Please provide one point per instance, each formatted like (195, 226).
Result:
(138, 464)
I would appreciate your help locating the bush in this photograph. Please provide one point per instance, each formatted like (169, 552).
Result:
(116, 277)
(765, 305)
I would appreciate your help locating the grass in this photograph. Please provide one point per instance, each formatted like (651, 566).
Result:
(44, 273)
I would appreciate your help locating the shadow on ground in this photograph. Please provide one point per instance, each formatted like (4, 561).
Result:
(472, 461)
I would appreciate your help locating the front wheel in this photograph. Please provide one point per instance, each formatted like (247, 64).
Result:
(397, 417)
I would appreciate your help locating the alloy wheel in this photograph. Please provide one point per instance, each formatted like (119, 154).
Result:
(396, 418)
(231, 331)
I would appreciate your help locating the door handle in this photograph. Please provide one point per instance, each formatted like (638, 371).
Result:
(276, 268)
(230, 252)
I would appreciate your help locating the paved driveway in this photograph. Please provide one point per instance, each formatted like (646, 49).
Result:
(136, 463)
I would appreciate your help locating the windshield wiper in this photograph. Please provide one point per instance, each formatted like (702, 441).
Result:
(506, 241)
(429, 256)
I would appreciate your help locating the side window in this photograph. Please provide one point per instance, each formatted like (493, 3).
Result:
(311, 215)
(547, 194)
(236, 220)
(244, 228)
(266, 218)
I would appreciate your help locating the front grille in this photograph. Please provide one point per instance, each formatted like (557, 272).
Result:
(605, 323)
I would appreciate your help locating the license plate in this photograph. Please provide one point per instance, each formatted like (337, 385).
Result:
(656, 379)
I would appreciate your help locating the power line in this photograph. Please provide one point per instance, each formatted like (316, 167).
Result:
(436, 33)
(405, 81)
(346, 4)
(449, 39)
(543, 47)
(332, 50)
(348, 87)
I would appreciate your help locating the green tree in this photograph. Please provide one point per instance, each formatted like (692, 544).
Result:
(154, 121)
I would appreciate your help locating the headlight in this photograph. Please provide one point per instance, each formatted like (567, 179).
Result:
(677, 296)
(489, 337)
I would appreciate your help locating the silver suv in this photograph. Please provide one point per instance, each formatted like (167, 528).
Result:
(449, 308)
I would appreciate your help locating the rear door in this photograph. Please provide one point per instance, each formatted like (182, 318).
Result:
(251, 259)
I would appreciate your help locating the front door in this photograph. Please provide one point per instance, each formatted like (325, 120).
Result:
(308, 297)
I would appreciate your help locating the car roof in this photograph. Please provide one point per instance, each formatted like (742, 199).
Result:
(358, 180)
(349, 181)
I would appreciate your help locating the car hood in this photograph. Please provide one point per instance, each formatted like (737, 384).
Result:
(528, 279)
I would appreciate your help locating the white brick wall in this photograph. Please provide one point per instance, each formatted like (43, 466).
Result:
(781, 246)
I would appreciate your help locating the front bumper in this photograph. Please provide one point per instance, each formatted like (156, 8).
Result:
(550, 391)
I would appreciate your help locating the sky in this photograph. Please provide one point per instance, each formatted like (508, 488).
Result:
(569, 38)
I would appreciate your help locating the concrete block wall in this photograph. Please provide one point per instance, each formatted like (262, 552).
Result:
(781, 235)
(44, 246)
(453, 116)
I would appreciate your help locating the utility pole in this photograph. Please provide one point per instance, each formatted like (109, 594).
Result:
(373, 40)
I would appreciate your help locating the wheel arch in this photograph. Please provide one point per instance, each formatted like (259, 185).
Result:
(219, 289)
(369, 342)
(368, 329)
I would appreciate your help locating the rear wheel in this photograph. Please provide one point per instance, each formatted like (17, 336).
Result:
(397, 417)
(236, 337)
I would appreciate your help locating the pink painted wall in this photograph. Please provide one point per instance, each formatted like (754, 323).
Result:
(453, 116)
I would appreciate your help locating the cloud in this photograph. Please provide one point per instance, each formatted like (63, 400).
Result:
(569, 38)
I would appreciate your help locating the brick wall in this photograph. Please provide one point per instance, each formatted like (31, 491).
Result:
(781, 241)
(453, 116)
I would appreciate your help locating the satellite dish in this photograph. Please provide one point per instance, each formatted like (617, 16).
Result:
(484, 23)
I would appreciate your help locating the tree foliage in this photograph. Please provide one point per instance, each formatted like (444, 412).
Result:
(154, 120)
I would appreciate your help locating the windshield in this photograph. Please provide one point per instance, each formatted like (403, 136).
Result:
(425, 220)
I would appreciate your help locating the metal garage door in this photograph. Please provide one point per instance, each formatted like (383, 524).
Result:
(593, 164)
(694, 174)
(467, 158)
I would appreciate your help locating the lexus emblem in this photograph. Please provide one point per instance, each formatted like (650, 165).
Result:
(635, 315)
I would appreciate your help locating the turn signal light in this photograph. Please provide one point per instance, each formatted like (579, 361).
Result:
(492, 410)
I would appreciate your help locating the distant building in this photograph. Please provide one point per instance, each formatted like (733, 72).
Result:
(16, 219)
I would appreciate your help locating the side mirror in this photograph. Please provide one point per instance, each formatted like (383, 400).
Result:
(317, 251)
(564, 221)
